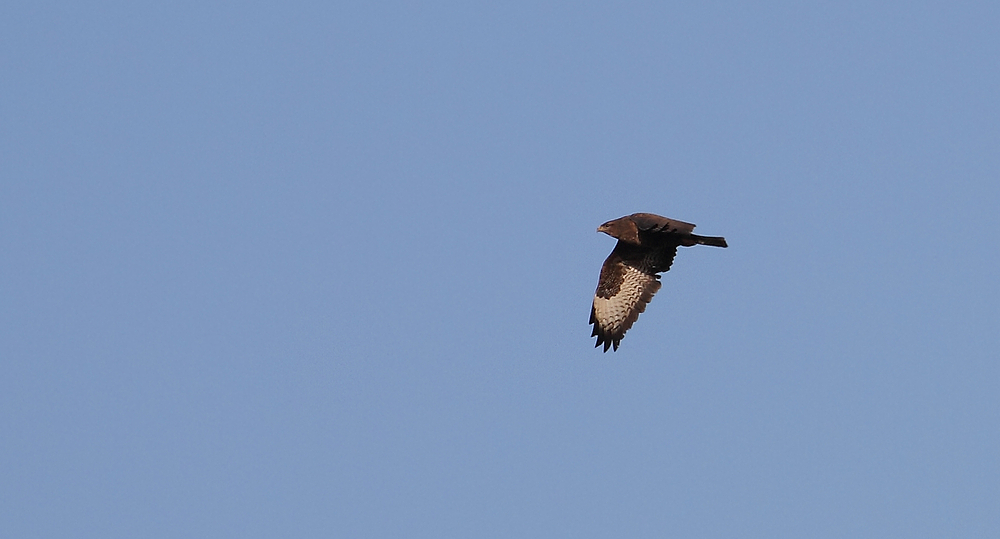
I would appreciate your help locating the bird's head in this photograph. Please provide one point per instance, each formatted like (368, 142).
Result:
(622, 228)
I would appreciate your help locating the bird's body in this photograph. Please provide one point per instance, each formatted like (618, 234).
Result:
(646, 247)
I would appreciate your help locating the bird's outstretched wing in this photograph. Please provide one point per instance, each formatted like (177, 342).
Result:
(626, 285)
(651, 222)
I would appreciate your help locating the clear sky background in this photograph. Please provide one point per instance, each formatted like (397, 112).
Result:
(324, 269)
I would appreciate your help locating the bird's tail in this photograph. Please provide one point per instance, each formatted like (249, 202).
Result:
(714, 241)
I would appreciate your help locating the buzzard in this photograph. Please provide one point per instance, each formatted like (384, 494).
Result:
(646, 247)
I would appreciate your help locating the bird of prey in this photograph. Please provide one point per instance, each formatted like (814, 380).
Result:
(646, 247)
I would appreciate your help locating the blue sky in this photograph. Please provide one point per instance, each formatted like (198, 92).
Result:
(324, 269)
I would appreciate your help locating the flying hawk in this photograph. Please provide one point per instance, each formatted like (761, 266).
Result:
(646, 247)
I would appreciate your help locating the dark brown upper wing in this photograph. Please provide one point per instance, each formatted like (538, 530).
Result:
(650, 222)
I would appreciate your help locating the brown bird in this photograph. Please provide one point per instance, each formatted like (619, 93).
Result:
(646, 247)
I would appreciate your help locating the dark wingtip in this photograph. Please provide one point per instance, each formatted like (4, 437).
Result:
(605, 340)
(608, 342)
(603, 337)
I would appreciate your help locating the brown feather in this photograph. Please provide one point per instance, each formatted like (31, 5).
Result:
(655, 223)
